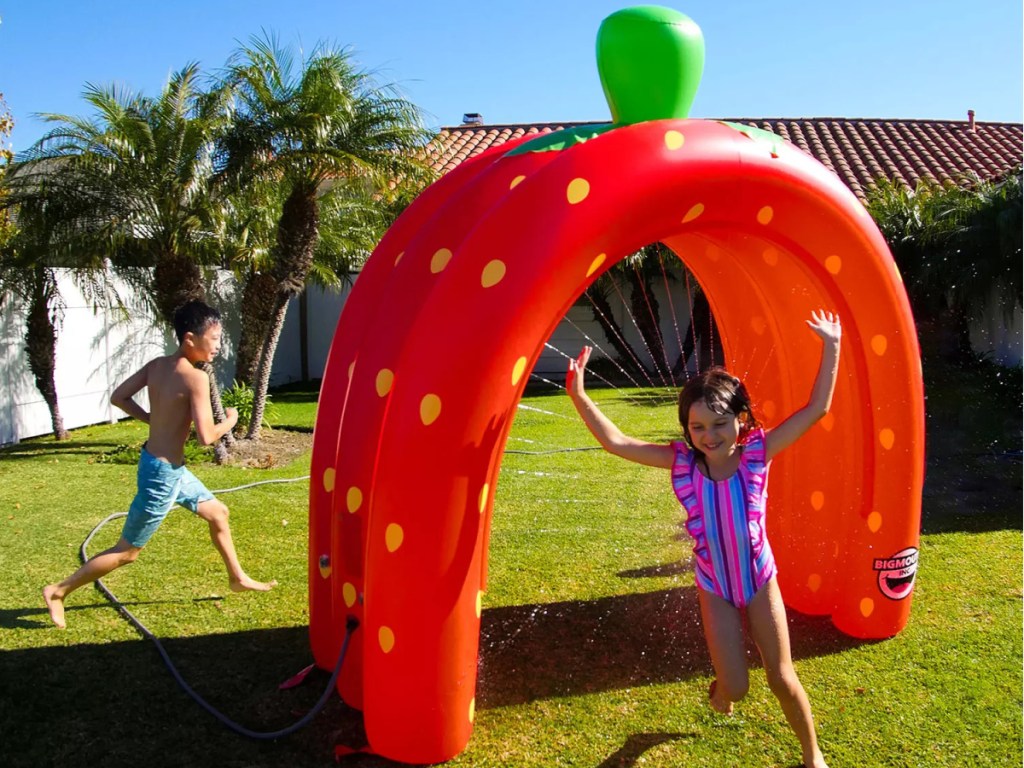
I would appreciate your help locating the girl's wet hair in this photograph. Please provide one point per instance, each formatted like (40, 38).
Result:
(194, 317)
(722, 393)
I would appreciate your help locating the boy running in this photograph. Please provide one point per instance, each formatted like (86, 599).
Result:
(179, 396)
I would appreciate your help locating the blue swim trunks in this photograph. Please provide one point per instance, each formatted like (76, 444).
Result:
(161, 486)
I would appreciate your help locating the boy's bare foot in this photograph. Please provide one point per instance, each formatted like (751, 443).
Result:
(245, 584)
(55, 605)
(722, 707)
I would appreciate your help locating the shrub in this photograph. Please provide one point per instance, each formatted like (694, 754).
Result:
(241, 396)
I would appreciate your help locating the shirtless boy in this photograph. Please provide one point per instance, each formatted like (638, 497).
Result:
(179, 396)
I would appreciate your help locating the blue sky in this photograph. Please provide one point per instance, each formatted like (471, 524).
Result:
(533, 60)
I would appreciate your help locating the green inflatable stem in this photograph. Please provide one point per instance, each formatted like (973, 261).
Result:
(650, 60)
(559, 140)
(770, 140)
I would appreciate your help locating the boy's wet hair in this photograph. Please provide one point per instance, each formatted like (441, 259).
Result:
(195, 317)
(722, 393)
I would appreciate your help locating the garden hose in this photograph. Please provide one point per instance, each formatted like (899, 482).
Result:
(351, 624)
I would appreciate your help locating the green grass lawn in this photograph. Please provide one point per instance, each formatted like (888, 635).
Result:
(591, 648)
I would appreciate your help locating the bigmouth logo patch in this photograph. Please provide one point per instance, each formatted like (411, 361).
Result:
(896, 574)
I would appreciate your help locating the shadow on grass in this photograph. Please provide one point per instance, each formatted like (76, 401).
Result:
(298, 392)
(36, 448)
(637, 744)
(38, 618)
(530, 652)
(116, 702)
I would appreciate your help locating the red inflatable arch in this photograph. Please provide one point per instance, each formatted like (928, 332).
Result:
(434, 348)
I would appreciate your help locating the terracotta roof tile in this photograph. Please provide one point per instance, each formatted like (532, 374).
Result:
(859, 151)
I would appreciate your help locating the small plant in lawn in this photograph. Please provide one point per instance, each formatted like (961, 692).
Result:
(241, 396)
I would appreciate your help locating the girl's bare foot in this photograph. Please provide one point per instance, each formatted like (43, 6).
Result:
(723, 707)
(818, 761)
(54, 604)
(245, 584)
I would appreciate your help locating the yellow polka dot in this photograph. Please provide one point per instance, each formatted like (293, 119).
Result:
(674, 139)
(867, 607)
(348, 594)
(597, 262)
(483, 497)
(817, 500)
(887, 437)
(515, 182)
(764, 216)
(393, 537)
(351, 369)
(518, 370)
(440, 260)
(814, 582)
(758, 325)
(693, 213)
(325, 569)
(479, 604)
(493, 273)
(833, 264)
(398, 258)
(577, 191)
(385, 379)
(879, 344)
(354, 499)
(770, 256)
(329, 479)
(828, 421)
(430, 409)
(472, 709)
(386, 638)
(874, 522)
(768, 406)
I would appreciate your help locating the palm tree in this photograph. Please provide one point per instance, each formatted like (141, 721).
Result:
(315, 130)
(350, 226)
(146, 166)
(142, 171)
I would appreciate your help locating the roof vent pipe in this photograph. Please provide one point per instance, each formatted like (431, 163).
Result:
(970, 121)
(472, 118)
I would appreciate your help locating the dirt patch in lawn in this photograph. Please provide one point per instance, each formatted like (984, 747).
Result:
(275, 448)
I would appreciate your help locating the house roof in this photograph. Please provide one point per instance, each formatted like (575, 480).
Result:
(858, 150)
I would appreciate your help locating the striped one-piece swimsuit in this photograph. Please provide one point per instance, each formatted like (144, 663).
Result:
(726, 520)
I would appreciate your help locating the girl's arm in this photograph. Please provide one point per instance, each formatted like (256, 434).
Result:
(825, 325)
(610, 436)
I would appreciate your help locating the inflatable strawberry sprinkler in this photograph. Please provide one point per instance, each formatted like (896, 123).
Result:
(436, 342)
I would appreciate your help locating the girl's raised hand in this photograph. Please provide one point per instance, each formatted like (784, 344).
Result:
(826, 325)
(574, 376)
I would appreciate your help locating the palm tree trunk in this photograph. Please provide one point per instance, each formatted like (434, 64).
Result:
(259, 298)
(297, 234)
(41, 345)
(603, 316)
(177, 280)
(222, 447)
(644, 306)
(259, 400)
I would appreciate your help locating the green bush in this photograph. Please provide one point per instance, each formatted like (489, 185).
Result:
(241, 396)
